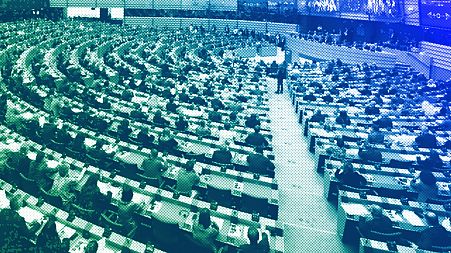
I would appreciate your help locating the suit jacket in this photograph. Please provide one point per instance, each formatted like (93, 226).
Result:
(353, 179)
(343, 121)
(215, 116)
(379, 224)
(260, 247)
(181, 125)
(371, 154)
(251, 122)
(259, 163)
(222, 156)
(376, 138)
(434, 236)
(426, 141)
(152, 168)
(256, 139)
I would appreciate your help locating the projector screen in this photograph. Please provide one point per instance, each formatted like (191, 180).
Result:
(435, 13)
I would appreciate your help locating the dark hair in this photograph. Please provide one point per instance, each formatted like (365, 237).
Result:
(40, 156)
(204, 217)
(227, 126)
(253, 235)
(91, 247)
(127, 194)
(427, 178)
(190, 165)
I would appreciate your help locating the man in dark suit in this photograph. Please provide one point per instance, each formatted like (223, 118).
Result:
(222, 155)
(376, 136)
(378, 223)
(426, 139)
(348, 176)
(183, 96)
(384, 122)
(144, 137)
(48, 131)
(252, 121)
(137, 113)
(254, 245)
(258, 163)
(159, 120)
(215, 116)
(217, 104)
(371, 109)
(153, 166)
(181, 124)
(318, 116)
(171, 106)
(123, 130)
(256, 139)
(434, 235)
(309, 97)
(369, 154)
(327, 97)
(281, 74)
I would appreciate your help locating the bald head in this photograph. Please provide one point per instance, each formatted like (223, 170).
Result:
(253, 235)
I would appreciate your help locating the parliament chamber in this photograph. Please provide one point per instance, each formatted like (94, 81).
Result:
(190, 135)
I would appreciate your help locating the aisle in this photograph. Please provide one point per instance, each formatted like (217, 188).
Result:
(309, 220)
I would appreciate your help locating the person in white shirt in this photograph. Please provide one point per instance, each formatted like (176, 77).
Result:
(225, 135)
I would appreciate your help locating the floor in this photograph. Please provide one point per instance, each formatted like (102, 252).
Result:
(309, 220)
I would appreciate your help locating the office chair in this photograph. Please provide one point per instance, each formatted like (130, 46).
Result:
(189, 244)
(27, 185)
(441, 248)
(51, 198)
(251, 204)
(440, 200)
(73, 153)
(400, 164)
(381, 236)
(148, 180)
(92, 160)
(221, 196)
(109, 219)
(88, 214)
(198, 157)
(57, 146)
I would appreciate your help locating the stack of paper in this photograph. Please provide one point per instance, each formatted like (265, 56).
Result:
(412, 218)
(355, 209)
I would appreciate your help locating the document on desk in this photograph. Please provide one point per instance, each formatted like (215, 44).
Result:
(352, 152)
(412, 218)
(105, 187)
(155, 207)
(218, 221)
(235, 231)
(4, 201)
(355, 209)
(395, 217)
(446, 224)
(64, 231)
(78, 245)
(260, 232)
(30, 215)
(408, 157)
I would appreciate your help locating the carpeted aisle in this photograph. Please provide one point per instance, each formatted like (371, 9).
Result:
(310, 221)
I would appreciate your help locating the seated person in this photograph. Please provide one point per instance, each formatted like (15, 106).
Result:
(126, 210)
(371, 109)
(433, 162)
(202, 130)
(309, 97)
(78, 143)
(378, 222)
(256, 139)
(123, 130)
(252, 121)
(14, 232)
(318, 116)
(343, 119)
(49, 241)
(434, 235)
(255, 246)
(137, 113)
(426, 139)
(222, 155)
(327, 97)
(158, 119)
(91, 247)
(181, 123)
(40, 172)
(384, 122)
(187, 178)
(215, 116)
(144, 137)
(154, 166)
(48, 130)
(62, 135)
(171, 106)
(19, 160)
(376, 136)
(204, 230)
(183, 96)
(198, 100)
(226, 135)
(426, 186)
(368, 154)
(217, 104)
(167, 141)
(63, 184)
(90, 196)
(348, 176)
(258, 163)
(233, 118)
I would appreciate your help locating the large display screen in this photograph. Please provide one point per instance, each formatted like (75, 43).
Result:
(436, 13)
(23, 4)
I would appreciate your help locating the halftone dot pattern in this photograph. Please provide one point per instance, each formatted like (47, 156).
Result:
(116, 134)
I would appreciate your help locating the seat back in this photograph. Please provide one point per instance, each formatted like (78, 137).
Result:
(191, 245)
(166, 234)
(149, 180)
(27, 185)
(251, 204)
(385, 237)
(400, 164)
(88, 214)
(51, 199)
(221, 196)
(109, 219)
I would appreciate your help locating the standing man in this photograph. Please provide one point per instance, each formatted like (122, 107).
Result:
(281, 74)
